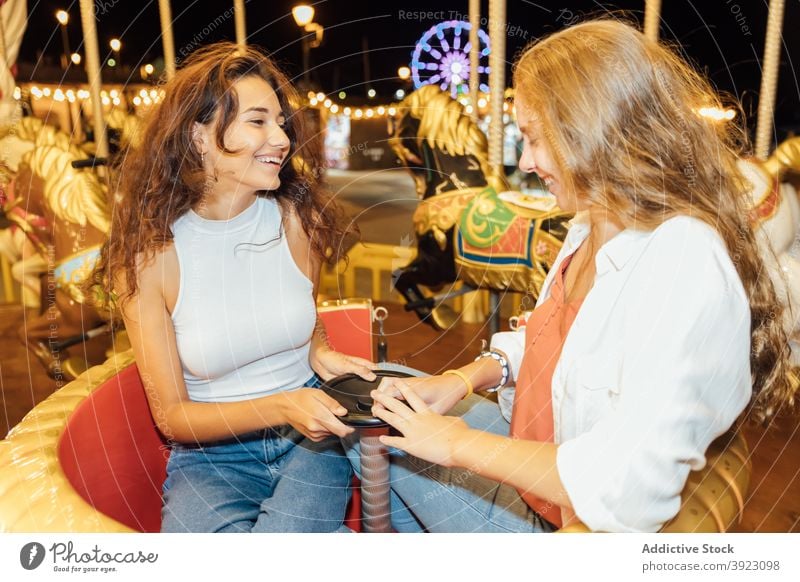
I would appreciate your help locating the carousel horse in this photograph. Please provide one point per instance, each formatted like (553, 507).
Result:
(65, 215)
(508, 241)
(774, 188)
(469, 227)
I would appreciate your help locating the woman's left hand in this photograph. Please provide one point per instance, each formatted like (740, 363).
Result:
(426, 435)
(328, 364)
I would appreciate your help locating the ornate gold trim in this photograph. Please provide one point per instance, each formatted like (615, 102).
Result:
(35, 494)
(338, 304)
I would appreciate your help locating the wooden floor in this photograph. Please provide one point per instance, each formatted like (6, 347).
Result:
(772, 506)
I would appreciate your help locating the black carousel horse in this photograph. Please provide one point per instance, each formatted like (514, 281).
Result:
(469, 227)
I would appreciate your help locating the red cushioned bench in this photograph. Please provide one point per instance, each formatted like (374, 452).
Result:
(107, 459)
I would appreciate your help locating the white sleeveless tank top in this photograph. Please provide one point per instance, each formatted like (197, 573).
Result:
(245, 312)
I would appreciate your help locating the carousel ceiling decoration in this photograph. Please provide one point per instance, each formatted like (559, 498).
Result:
(441, 57)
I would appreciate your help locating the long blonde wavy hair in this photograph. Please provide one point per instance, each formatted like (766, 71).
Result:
(620, 113)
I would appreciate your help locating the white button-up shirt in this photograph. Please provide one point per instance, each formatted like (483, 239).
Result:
(655, 367)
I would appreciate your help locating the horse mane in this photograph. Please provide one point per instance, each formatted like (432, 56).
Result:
(444, 125)
(785, 159)
(129, 126)
(75, 196)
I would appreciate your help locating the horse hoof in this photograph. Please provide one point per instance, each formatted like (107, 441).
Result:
(443, 317)
(74, 367)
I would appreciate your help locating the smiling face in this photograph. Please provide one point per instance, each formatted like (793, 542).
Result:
(537, 156)
(256, 140)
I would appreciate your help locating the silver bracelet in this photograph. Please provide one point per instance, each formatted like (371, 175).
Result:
(503, 362)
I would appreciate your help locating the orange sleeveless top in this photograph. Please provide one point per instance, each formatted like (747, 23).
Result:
(532, 416)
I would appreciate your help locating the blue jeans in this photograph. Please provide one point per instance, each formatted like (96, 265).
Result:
(271, 480)
(428, 497)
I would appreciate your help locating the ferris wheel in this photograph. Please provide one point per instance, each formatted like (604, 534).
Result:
(441, 57)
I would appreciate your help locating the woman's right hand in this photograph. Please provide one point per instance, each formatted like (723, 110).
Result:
(313, 413)
(440, 393)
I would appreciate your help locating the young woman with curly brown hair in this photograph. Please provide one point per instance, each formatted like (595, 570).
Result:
(219, 229)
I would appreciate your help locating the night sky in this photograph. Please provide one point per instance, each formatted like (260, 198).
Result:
(725, 38)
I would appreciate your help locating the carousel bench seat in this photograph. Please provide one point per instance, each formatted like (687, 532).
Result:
(90, 459)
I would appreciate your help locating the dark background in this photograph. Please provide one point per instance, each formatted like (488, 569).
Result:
(708, 32)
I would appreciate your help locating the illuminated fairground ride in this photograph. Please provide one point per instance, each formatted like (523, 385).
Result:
(89, 458)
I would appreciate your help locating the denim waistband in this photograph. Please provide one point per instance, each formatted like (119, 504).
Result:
(276, 432)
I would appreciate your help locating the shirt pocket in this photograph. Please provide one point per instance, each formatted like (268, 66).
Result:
(597, 390)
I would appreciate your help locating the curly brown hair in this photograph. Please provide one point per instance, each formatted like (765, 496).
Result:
(620, 113)
(163, 178)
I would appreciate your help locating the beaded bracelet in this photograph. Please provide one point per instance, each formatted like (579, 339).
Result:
(464, 378)
(503, 362)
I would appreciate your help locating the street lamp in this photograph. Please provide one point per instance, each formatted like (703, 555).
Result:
(146, 71)
(304, 16)
(63, 19)
(116, 46)
(75, 58)
(404, 74)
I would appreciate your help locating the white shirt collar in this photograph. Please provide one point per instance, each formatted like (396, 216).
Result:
(615, 253)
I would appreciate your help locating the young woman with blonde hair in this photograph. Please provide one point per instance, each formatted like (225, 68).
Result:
(656, 329)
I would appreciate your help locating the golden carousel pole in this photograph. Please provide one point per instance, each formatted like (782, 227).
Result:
(474, 55)
(497, 82)
(95, 82)
(497, 86)
(239, 18)
(769, 79)
(167, 39)
(652, 18)
(13, 21)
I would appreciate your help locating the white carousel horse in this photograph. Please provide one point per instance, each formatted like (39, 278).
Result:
(776, 212)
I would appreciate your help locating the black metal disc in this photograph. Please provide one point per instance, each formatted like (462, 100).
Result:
(352, 392)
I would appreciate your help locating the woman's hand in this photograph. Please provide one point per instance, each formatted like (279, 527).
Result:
(426, 434)
(328, 364)
(313, 413)
(440, 393)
